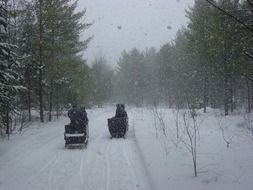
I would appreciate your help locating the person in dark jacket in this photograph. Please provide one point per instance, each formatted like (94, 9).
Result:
(84, 115)
(117, 110)
(85, 120)
(77, 116)
(120, 111)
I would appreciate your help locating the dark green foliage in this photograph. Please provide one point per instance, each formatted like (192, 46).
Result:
(208, 64)
(45, 60)
(102, 76)
(131, 78)
(9, 67)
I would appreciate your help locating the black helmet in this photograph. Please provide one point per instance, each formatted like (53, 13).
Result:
(74, 105)
(82, 107)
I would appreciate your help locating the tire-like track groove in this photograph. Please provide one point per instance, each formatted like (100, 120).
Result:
(108, 167)
(50, 177)
(36, 175)
(149, 179)
(130, 164)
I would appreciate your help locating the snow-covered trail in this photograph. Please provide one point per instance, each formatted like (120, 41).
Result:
(38, 159)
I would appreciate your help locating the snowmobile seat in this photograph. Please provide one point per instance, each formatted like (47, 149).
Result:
(76, 135)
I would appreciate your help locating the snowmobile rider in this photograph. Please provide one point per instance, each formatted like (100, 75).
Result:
(120, 111)
(84, 115)
(77, 116)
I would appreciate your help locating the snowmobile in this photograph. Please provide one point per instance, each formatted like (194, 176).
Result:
(76, 134)
(118, 127)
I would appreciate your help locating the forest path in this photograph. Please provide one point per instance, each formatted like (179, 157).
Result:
(38, 159)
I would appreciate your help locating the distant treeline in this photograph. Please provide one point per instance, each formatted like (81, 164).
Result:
(209, 63)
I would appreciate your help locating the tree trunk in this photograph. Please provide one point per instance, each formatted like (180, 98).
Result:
(250, 83)
(226, 101)
(226, 89)
(41, 97)
(7, 121)
(231, 91)
(248, 95)
(50, 101)
(41, 66)
(57, 108)
(29, 95)
(57, 101)
(205, 100)
(51, 76)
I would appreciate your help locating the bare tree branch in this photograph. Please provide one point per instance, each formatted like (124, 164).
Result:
(248, 55)
(230, 15)
(249, 78)
(250, 3)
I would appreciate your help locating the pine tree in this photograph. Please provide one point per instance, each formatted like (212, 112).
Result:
(9, 66)
(57, 48)
(102, 77)
(130, 82)
(26, 28)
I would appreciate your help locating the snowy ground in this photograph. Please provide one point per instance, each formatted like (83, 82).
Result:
(145, 160)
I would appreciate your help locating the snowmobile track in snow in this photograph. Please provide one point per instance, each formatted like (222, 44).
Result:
(108, 171)
(38, 160)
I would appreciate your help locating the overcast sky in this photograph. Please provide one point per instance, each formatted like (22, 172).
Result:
(124, 24)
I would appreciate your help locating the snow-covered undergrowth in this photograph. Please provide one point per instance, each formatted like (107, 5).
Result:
(151, 157)
(169, 162)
